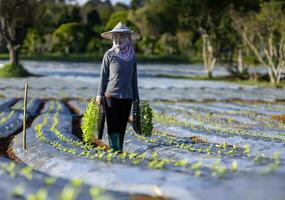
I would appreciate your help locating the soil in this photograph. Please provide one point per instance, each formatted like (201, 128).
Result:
(279, 118)
(144, 197)
(6, 149)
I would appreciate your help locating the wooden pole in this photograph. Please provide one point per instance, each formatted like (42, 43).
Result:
(24, 119)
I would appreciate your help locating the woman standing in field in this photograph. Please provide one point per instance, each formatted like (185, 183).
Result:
(118, 86)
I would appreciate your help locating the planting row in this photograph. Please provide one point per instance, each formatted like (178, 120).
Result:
(53, 157)
(20, 181)
(154, 92)
(150, 89)
(6, 103)
(238, 112)
(11, 118)
(210, 152)
(50, 131)
(156, 159)
(247, 125)
(32, 106)
(208, 155)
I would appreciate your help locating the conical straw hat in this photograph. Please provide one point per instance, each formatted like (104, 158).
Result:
(120, 28)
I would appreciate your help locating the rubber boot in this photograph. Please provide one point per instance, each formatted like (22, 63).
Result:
(122, 135)
(114, 141)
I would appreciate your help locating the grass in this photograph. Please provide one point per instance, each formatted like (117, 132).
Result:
(261, 82)
(96, 57)
(12, 70)
(57, 57)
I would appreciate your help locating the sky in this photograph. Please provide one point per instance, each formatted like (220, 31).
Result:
(113, 1)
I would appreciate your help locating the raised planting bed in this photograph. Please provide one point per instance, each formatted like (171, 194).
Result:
(175, 148)
(33, 106)
(53, 106)
(114, 176)
(257, 147)
(205, 92)
(10, 122)
(11, 119)
(6, 103)
(154, 162)
(262, 127)
(232, 159)
(20, 181)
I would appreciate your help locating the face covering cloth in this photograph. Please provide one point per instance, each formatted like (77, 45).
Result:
(123, 47)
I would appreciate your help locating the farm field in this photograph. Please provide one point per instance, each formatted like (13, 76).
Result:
(210, 139)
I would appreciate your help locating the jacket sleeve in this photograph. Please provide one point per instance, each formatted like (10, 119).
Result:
(135, 83)
(104, 76)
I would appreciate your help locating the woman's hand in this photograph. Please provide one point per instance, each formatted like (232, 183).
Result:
(98, 102)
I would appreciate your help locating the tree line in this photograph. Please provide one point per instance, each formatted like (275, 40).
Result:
(224, 31)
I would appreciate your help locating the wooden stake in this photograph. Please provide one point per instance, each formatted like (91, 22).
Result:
(24, 119)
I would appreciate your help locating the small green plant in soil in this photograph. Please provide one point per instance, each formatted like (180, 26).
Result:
(247, 150)
(275, 165)
(234, 166)
(158, 164)
(181, 163)
(76, 182)
(3, 120)
(276, 157)
(50, 180)
(271, 168)
(9, 168)
(18, 191)
(40, 195)
(89, 123)
(218, 169)
(27, 172)
(68, 193)
(197, 168)
(96, 193)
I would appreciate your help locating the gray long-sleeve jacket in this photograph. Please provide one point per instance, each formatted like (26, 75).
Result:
(118, 77)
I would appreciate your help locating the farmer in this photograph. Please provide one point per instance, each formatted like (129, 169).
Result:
(118, 85)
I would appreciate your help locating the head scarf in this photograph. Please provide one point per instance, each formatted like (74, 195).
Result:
(124, 50)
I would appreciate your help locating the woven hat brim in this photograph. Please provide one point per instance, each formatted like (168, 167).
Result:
(108, 35)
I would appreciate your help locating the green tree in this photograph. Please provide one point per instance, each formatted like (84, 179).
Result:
(146, 45)
(209, 18)
(32, 41)
(167, 45)
(204, 17)
(16, 16)
(184, 42)
(119, 6)
(104, 8)
(155, 18)
(264, 33)
(70, 38)
(96, 44)
(135, 4)
(92, 18)
(119, 16)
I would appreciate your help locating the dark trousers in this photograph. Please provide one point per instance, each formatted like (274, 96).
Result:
(117, 114)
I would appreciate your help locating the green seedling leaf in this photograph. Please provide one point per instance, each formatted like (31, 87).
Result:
(234, 166)
(18, 191)
(40, 195)
(68, 193)
(27, 172)
(50, 180)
